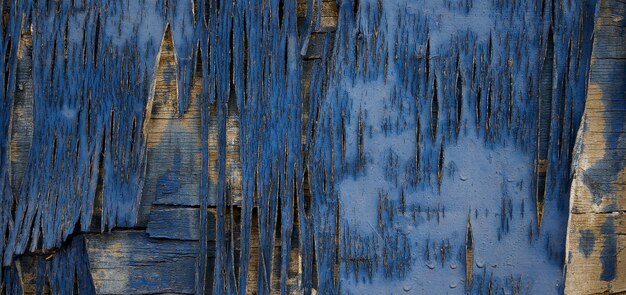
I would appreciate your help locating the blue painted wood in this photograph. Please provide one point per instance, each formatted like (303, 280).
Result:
(451, 102)
(66, 271)
(8, 50)
(175, 223)
(371, 141)
(92, 108)
(11, 281)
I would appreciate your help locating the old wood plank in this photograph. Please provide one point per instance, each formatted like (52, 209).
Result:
(170, 195)
(325, 14)
(316, 48)
(64, 271)
(596, 237)
(129, 262)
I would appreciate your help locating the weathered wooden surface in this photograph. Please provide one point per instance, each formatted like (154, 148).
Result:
(596, 260)
(131, 263)
(311, 146)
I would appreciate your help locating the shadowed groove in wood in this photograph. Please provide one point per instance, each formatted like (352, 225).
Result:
(544, 118)
(469, 252)
(22, 114)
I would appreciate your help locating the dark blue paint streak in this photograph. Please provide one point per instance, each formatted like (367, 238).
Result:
(608, 255)
(586, 242)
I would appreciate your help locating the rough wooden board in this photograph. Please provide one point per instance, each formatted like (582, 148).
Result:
(596, 237)
(293, 281)
(609, 32)
(65, 271)
(29, 275)
(329, 8)
(316, 47)
(131, 263)
(327, 17)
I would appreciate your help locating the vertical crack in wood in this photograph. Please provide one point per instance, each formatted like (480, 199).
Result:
(22, 121)
(440, 166)
(434, 111)
(469, 253)
(360, 143)
(544, 119)
(459, 94)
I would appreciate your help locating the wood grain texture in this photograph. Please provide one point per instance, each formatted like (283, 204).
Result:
(9, 48)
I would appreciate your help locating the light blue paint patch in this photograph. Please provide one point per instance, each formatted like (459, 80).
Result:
(468, 145)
